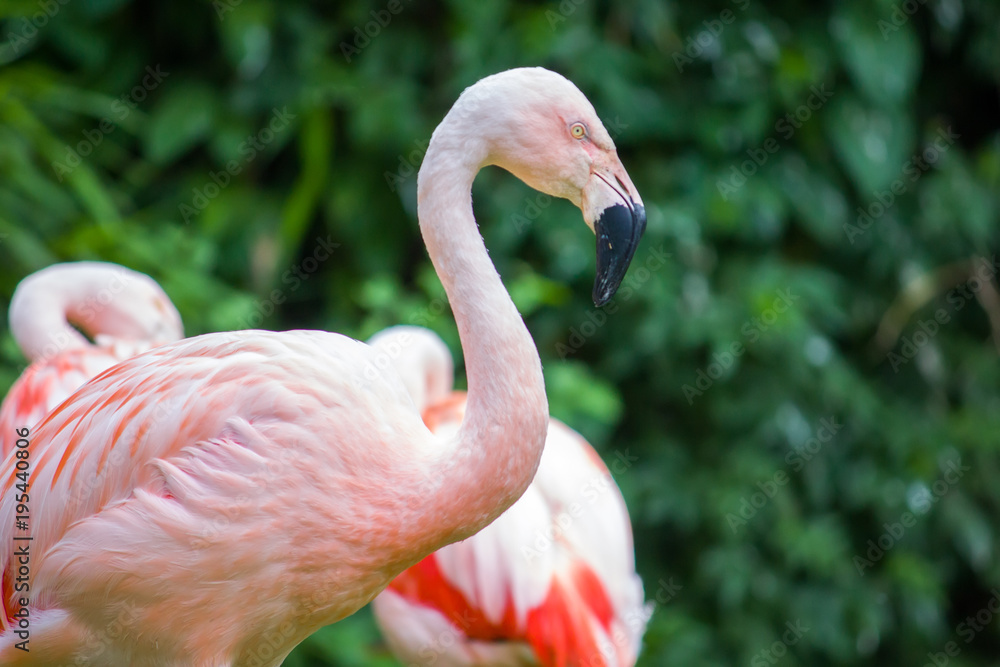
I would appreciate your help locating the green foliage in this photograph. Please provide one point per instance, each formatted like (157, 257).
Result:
(812, 241)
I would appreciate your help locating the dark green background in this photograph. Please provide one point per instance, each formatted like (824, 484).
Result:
(687, 108)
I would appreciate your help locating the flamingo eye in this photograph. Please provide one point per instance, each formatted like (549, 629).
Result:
(578, 130)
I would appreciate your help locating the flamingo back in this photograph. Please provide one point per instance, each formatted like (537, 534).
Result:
(48, 382)
(175, 481)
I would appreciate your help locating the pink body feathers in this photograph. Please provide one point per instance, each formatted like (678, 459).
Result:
(551, 582)
(124, 311)
(217, 499)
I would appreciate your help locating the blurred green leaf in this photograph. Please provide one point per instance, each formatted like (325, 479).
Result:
(182, 118)
(879, 48)
(868, 209)
(874, 144)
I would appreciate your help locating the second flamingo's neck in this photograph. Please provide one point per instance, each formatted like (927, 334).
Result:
(495, 454)
(40, 311)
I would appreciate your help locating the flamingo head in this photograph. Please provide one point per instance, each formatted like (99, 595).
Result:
(105, 301)
(543, 130)
(128, 306)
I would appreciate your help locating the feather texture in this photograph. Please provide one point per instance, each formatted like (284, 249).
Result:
(551, 582)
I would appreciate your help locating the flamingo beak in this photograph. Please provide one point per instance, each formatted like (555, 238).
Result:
(614, 210)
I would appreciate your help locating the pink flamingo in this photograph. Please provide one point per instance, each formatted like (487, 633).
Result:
(123, 311)
(551, 582)
(216, 500)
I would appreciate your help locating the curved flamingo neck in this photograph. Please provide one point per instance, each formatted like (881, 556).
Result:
(40, 314)
(494, 456)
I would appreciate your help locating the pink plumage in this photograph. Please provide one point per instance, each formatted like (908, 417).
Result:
(215, 500)
(123, 311)
(551, 582)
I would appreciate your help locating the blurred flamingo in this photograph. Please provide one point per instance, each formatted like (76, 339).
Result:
(551, 582)
(123, 312)
(218, 499)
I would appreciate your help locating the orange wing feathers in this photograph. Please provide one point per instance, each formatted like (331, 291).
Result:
(555, 573)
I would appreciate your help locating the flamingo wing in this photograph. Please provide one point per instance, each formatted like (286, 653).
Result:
(465, 604)
(551, 582)
(48, 382)
(593, 537)
(135, 481)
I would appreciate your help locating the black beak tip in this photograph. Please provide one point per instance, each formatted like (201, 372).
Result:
(618, 231)
(601, 299)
